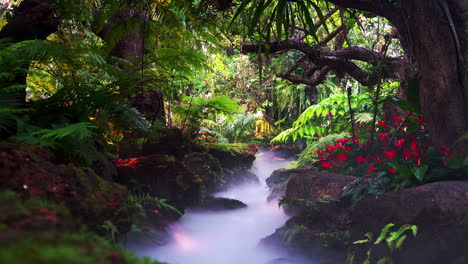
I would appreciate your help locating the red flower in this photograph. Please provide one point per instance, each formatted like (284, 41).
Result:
(406, 154)
(414, 145)
(354, 139)
(418, 163)
(384, 138)
(339, 146)
(326, 165)
(340, 140)
(348, 149)
(377, 160)
(390, 154)
(330, 149)
(382, 123)
(399, 143)
(446, 152)
(324, 157)
(399, 118)
(421, 119)
(319, 152)
(342, 157)
(371, 168)
(391, 170)
(360, 159)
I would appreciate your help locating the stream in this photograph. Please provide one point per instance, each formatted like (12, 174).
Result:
(227, 237)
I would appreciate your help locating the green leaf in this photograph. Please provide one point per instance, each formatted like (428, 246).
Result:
(420, 172)
(383, 233)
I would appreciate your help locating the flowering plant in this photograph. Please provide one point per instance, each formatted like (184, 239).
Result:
(400, 155)
(205, 136)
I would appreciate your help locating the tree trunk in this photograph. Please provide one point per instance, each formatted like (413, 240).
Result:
(434, 34)
(131, 48)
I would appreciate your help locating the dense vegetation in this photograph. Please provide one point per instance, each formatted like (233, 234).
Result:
(348, 84)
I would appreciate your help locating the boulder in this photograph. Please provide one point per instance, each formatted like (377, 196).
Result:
(206, 169)
(239, 176)
(439, 210)
(219, 204)
(314, 186)
(319, 229)
(233, 155)
(282, 175)
(162, 176)
(33, 173)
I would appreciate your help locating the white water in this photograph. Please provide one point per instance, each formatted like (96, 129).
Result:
(227, 237)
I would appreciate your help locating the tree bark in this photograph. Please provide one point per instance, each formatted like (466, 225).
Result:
(434, 34)
(131, 48)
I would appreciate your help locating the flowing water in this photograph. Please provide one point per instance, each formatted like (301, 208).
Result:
(227, 237)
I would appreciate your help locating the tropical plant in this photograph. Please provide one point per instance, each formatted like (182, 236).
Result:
(400, 158)
(394, 241)
(329, 116)
(194, 110)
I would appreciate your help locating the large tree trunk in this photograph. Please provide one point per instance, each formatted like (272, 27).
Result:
(435, 35)
(131, 48)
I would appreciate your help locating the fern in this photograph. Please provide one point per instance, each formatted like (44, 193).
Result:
(331, 115)
(76, 141)
(144, 200)
(239, 128)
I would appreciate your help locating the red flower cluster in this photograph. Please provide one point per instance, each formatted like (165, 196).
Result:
(405, 149)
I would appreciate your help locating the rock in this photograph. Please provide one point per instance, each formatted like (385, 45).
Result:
(239, 177)
(25, 247)
(314, 186)
(319, 229)
(282, 175)
(205, 168)
(219, 204)
(32, 173)
(233, 155)
(277, 192)
(439, 210)
(162, 176)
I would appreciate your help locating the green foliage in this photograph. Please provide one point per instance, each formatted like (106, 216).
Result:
(193, 110)
(236, 149)
(329, 116)
(394, 241)
(291, 233)
(309, 154)
(55, 248)
(134, 212)
(238, 128)
(74, 140)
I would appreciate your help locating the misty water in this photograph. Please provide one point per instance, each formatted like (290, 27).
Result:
(227, 237)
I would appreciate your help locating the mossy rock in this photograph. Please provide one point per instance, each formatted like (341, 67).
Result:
(34, 214)
(22, 247)
(233, 155)
(85, 194)
(206, 170)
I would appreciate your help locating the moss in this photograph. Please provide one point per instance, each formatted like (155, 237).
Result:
(234, 149)
(35, 213)
(51, 248)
